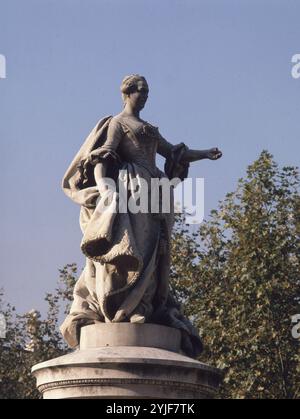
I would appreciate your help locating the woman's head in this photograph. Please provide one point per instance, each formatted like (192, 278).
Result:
(135, 89)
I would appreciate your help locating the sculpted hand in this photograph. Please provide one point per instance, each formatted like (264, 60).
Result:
(103, 187)
(214, 154)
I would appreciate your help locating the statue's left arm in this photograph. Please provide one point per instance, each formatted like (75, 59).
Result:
(195, 155)
(187, 156)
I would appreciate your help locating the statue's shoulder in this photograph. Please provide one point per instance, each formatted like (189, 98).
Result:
(118, 122)
(102, 122)
(119, 118)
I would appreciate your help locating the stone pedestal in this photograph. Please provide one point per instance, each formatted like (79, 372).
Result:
(126, 361)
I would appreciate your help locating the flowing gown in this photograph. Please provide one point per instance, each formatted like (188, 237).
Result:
(126, 277)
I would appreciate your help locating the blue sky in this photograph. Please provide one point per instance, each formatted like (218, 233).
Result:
(219, 73)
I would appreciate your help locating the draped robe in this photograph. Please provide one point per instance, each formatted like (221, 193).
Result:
(127, 254)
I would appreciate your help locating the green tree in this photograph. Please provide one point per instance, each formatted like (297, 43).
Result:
(240, 282)
(31, 339)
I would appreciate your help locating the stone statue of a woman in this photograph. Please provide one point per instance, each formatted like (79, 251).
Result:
(126, 277)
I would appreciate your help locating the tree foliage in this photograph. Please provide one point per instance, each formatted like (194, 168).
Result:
(240, 281)
(31, 339)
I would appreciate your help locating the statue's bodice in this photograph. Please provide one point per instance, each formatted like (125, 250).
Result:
(139, 143)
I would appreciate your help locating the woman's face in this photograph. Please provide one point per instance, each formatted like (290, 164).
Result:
(139, 97)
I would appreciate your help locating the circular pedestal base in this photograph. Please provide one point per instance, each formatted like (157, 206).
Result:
(126, 372)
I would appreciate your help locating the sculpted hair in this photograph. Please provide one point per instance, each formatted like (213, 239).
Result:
(129, 84)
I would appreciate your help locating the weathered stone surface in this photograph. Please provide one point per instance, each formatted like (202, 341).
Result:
(126, 372)
(125, 284)
(127, 334)
(127, 243)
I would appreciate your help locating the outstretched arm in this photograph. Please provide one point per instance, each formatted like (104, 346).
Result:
(165, 149)
(195, 155)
